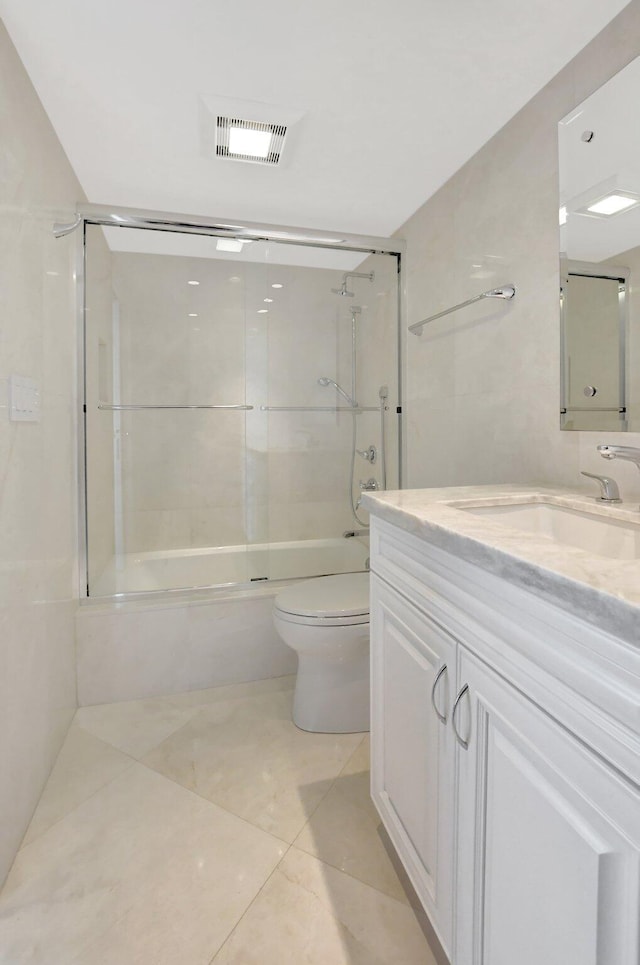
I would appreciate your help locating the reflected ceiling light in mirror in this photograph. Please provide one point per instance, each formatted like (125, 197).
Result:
(607, 199)
(193, 282)
(612, 204)
(276, 285)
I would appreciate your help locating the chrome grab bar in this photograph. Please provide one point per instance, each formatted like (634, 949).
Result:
(463, 690)
(131, 408)
(441, 717)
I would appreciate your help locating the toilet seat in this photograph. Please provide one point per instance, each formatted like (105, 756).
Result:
(341, 600)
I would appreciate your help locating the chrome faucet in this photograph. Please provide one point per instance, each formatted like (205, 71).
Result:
(609, 492)
(620, 452)
(370, 486)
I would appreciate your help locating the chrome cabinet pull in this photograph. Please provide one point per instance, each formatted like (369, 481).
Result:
(461, 693)
(441, 717)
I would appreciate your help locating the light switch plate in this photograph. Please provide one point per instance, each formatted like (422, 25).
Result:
(24, 399)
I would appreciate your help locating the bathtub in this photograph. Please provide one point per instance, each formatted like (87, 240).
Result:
(155, 643)
(220, 566)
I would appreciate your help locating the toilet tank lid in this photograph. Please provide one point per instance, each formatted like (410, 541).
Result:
(344, 595)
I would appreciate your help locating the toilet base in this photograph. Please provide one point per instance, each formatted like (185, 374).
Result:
(332, 696)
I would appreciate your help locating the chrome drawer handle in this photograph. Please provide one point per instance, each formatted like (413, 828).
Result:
(441, 717)
(464, 690)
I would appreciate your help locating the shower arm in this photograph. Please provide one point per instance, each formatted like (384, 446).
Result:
(357, 274)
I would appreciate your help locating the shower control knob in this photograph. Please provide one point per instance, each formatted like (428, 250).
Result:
(369, 454)
(590, 391)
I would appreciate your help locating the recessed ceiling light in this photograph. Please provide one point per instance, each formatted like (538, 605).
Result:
(249, 143)
(276, 285)
(262, 311)
(228, 244)
(193, 282)
(268, 300)
(243, 140)
(562, 215)
(612, 204)
(193, 314)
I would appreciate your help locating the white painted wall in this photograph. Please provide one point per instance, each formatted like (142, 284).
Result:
(483, 385)
(37, 461)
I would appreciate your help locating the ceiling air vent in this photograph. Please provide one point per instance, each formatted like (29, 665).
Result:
(253, 141)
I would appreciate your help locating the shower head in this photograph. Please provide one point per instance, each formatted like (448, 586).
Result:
(343, 291)
(323, 380)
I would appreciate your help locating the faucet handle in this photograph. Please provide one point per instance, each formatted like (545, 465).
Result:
(370, 486)
(609, 492)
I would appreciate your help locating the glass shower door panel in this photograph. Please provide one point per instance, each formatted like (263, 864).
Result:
(326, 351)
(166, 411)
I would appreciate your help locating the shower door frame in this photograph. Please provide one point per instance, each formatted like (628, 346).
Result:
(107, 215)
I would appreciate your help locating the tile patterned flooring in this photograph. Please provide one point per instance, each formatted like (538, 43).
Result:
(206, 829)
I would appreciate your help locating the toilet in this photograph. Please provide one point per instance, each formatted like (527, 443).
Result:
(326, 621)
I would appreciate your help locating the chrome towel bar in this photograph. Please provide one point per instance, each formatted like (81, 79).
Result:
(320, 408)
(504, 291)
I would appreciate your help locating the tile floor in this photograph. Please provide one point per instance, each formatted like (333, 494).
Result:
(206, 829)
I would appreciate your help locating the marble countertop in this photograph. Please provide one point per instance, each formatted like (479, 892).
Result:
(603, 591)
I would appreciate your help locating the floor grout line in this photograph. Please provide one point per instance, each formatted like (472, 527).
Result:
(214, 804)
(330, 788)
(250, 905)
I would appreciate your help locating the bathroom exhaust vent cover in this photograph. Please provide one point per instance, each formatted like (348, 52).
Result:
(253, 141)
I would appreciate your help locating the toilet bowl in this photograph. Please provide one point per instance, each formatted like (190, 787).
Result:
(326, 621)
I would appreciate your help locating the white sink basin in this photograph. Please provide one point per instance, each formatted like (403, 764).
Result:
(600, 535)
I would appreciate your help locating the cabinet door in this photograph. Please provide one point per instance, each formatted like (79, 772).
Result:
(412, 745)
(548, 838)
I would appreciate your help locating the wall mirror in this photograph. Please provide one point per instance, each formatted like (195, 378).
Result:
(599, 216)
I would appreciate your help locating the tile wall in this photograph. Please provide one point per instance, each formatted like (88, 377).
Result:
(483, 385)
(38, 595)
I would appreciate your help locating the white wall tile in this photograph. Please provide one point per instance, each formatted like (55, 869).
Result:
(483, 384)
(128, 652)
(37, 474)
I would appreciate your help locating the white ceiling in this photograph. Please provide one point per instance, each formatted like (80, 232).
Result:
(611, 159)
(395, 96)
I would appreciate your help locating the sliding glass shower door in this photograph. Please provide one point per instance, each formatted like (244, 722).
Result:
(218, 449)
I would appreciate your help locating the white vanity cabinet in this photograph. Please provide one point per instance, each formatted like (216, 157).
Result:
(413, 674)
(548, 838)
(512, 797)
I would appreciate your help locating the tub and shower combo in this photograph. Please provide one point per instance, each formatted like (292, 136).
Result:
(239, 387)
